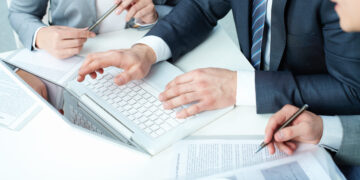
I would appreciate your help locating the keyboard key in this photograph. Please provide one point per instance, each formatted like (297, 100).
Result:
(147, 96)
(131, 117)
(148, 105)
(147, 113)
(132, 111)
(142, 109)
(165, 126)
(158, 113)
(181, 120)
(152, 99)
(138, 115)
(160, 131)
(148, 123)
(142, 126)
(154, 135)
(143, 119)
(157, 103)
(137, 97)
(131, 102)
(153, 117)
(137, 106)
(153, 109)
(141, 92)
(154, 127)
(172, 122)
(159, 121)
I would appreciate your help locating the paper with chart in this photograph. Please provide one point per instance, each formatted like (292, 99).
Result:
(228, 159)
(44, 65)
(17, 103)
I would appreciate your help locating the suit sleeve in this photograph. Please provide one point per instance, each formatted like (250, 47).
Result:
(189, 23)
(337, 92)
(349, 153)
(25, 18)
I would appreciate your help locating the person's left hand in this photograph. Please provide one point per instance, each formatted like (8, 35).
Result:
(208, 89)
(143, 10)
(306, 128)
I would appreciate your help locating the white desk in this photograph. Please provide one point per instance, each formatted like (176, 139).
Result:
(50, 148)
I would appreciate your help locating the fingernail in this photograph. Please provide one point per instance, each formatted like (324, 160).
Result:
(93, 35)
(166, 105)
(78, 78)
(180, 116)
(119, 81)
(161, 97)
(118, 11)
(280, 135)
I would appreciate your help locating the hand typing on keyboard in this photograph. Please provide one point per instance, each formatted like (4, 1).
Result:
(136, 101)
(136, 63)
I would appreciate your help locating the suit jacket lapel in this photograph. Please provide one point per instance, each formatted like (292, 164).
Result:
(278, 33)
(242, 14)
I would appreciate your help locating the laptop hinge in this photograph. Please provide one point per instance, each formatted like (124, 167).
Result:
(106, 116)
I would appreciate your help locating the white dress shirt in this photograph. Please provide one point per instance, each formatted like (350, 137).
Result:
(246, 94)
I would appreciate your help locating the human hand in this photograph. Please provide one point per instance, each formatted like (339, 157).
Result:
(136, 63)
(34, 82)
(306, 128)
(143, 10)
(210, 88)
(62, 42)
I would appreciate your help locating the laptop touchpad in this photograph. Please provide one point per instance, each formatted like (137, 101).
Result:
(161, 74)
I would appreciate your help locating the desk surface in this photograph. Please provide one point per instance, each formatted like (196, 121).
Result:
(50, 148)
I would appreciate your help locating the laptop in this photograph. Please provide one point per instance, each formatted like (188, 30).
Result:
(18, 103)
(131, 113)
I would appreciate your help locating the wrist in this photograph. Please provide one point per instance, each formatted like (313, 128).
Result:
(38, 38)
(146, 52)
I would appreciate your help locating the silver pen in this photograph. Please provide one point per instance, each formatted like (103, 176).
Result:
(104, 16)
(291, 119)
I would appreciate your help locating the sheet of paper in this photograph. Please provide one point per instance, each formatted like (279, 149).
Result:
(201, 158)
(46, 66)
(302, 166)
(17, 103)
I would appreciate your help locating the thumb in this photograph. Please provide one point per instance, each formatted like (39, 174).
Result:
(289, 133)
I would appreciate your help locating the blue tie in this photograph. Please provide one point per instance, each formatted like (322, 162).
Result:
(257, 30)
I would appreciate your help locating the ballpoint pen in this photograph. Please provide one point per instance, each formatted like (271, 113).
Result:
(291, 119)
(104, 16)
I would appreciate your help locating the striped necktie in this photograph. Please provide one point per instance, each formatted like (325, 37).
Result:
(257, 30)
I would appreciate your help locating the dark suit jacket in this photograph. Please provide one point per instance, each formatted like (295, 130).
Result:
(312, 60)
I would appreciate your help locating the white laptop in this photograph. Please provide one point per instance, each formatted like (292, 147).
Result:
(130, 113)
(18, 103)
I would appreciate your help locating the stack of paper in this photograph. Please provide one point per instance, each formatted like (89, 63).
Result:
(237, 160)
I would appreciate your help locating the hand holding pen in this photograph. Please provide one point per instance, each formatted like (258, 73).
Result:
(306, 127)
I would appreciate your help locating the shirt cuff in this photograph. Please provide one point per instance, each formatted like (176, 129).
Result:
(34, 39)
(332, 133)
(161, 49)
(245, 91)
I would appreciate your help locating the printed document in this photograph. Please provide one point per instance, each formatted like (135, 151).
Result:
(234, 159)
(18, 103)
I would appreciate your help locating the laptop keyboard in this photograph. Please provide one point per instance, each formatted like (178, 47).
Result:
(136, 102)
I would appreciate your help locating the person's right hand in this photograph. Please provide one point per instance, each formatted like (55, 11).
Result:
(61, 41)
(136, 63)
(306, 128)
